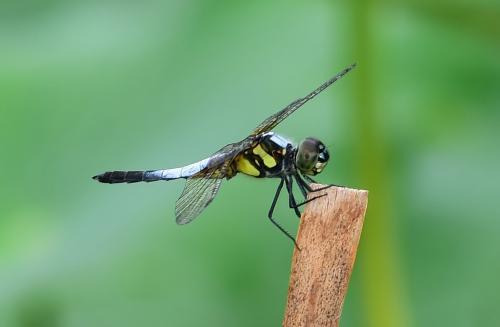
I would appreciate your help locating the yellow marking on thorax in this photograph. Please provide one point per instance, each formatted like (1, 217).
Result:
(246, 167)
(268, 160)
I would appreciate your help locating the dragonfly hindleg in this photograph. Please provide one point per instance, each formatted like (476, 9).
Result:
(271, 210)
(291, 199)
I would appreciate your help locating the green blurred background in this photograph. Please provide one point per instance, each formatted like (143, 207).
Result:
(91, 86)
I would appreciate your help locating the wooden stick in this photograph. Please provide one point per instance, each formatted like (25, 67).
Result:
(328, 238)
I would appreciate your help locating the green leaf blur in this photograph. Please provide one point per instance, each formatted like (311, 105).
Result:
(100, 85)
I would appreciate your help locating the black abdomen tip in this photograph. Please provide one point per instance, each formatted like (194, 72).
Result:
(112, 177)
(103, 178)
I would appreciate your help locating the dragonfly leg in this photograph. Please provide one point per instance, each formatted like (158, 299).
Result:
(310, 180)
(303, 186)
(310, 200)
(271, 210)
(302, 182)
(291, 199)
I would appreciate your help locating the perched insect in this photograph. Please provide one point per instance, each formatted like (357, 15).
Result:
(261, 154)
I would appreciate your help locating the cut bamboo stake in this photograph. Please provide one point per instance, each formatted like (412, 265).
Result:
(328, 238)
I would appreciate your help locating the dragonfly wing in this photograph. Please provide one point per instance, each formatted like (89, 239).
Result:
(196, 196)
(271, 122)
(202, 187)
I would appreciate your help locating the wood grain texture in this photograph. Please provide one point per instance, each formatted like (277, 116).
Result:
(328, 237)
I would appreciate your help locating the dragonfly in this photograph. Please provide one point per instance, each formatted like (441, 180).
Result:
(262, 154)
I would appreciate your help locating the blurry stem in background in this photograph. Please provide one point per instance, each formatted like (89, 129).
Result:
(383, 292)
(477, 18)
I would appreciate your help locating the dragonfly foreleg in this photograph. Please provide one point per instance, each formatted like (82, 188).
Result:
(301, 186)
(310, 180)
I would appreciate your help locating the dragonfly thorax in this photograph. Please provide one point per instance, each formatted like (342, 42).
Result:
(266, 157)
(311, 157)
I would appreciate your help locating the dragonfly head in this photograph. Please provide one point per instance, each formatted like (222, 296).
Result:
(312, 156)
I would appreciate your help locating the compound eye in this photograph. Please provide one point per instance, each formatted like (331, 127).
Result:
(309, 156)
(323, 153)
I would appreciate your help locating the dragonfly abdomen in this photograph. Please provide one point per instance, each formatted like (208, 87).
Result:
(113, 177)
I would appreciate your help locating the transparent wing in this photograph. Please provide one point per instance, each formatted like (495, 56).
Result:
(199, 191)
(197, 195)
(202, 187)
(277, 118)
